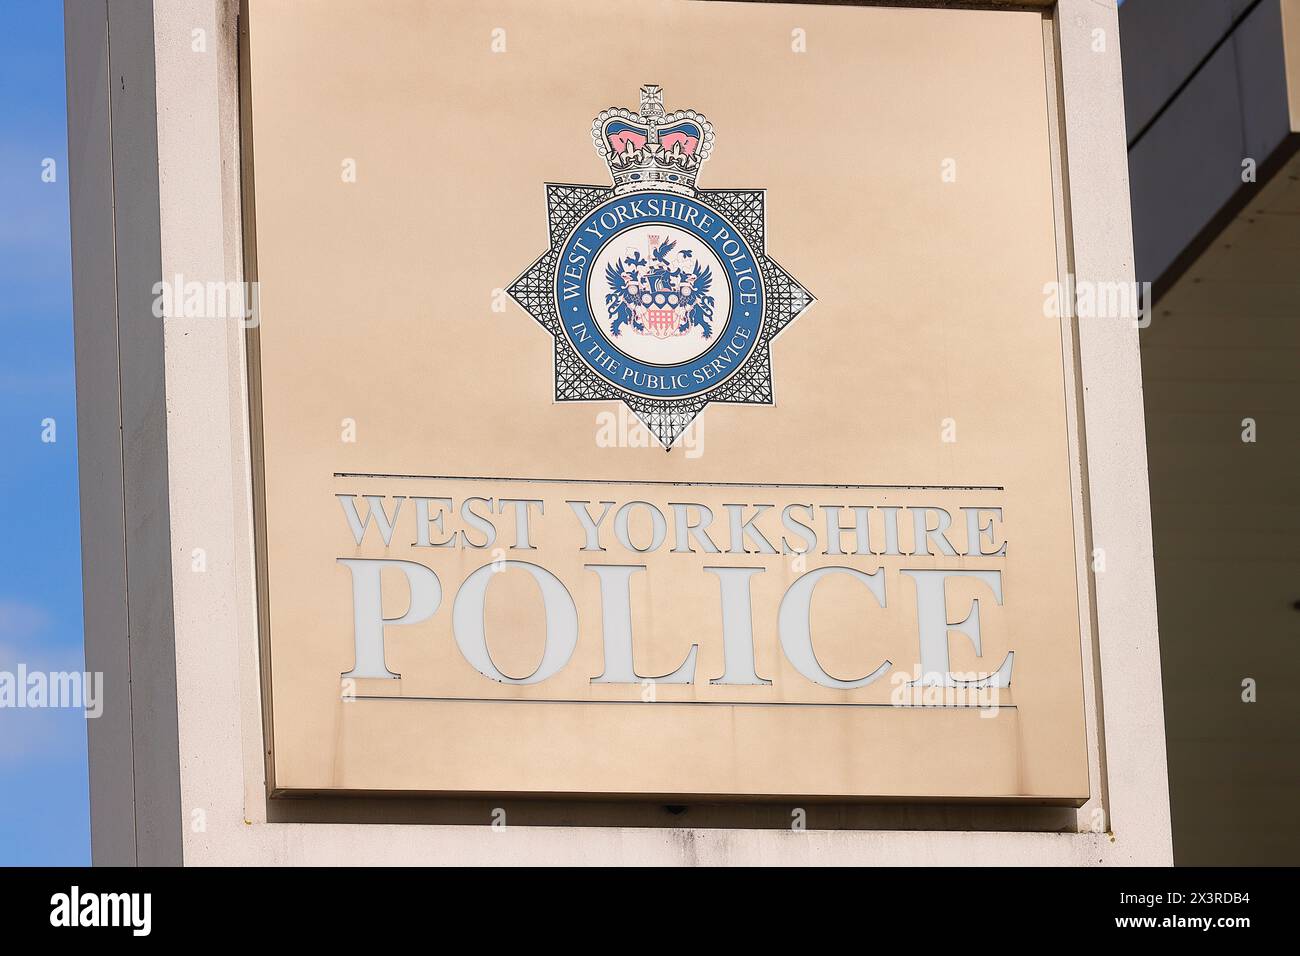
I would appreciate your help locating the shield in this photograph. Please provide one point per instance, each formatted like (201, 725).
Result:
(661, 323)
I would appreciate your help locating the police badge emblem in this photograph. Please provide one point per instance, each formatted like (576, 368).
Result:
(659, 294)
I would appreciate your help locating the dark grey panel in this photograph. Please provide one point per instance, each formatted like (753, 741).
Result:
(1163, 40)
(137, 228)
(1261, 66)
(1186, 167)
(116, 235)
(103, 542)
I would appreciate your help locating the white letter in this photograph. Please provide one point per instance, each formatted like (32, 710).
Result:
(561, 623)
(368, 608)
(932, 623)
(796, 632)
(385, 523)
(592, 528)
(737, 626)
(616, 614)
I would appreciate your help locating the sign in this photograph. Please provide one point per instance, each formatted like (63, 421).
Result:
(644, 518)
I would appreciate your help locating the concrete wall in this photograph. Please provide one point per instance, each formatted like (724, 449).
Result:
(1209, 84)
(1224, 346)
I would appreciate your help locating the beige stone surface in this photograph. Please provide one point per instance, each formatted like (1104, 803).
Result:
(376, 308)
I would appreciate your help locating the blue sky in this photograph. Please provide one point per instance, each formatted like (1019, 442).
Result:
(44, 810)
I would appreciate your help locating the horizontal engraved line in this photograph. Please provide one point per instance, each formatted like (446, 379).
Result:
(677, 484)
(703, 703)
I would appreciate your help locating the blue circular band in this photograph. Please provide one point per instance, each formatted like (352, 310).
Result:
(736, 334)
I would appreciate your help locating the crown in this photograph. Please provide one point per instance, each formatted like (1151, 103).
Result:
(653, 149)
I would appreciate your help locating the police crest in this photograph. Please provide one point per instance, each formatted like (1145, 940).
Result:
(656, 293)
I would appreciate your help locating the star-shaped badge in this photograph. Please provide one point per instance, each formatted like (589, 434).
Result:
(657, 294)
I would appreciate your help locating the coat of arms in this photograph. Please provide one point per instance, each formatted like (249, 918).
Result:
(659, 294)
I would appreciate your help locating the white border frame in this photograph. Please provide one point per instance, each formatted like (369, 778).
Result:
(197, 793)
